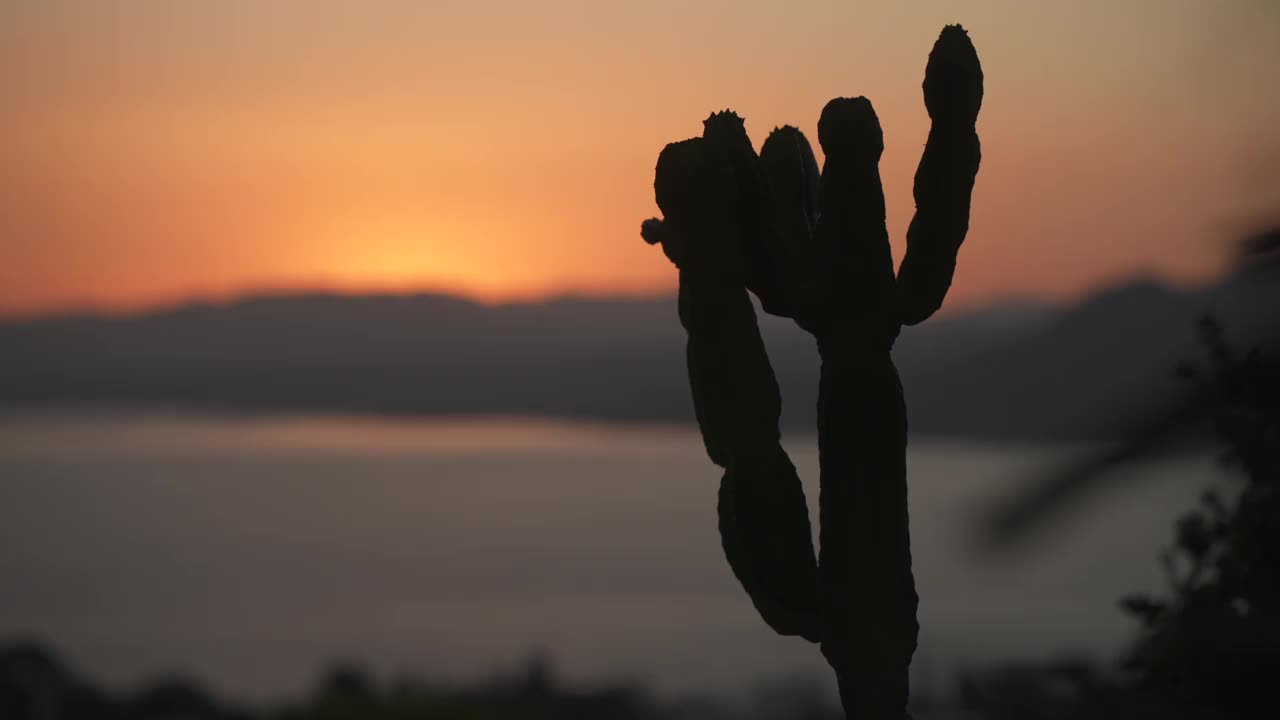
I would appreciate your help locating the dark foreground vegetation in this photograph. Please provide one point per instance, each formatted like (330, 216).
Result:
(1209, 646)
(37, 685)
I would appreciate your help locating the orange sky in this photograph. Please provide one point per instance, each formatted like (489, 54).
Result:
(157, 150)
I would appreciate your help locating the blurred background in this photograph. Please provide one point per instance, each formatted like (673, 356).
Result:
(327, 336)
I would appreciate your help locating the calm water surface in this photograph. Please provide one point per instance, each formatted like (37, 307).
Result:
(249, 552)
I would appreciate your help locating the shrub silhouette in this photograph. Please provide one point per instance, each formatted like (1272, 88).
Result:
(816, 249)
(1207, 647)
(1214, 640)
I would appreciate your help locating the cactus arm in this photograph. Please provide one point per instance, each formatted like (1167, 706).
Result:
(764, 521)
(765, 258)
(791, 177)
(945, 178)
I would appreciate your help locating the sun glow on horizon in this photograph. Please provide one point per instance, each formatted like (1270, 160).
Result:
(156, 152)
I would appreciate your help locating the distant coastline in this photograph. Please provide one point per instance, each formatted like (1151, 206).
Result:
(1014, 371)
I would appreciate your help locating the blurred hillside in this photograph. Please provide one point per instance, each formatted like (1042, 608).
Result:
(1012, 371)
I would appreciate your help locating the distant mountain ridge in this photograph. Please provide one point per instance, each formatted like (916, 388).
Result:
(1014, 371)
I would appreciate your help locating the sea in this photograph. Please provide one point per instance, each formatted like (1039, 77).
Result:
(249, 552)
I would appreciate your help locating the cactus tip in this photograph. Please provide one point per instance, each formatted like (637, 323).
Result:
(728, 131)
(724, 121)
(850, 125)
(954, 40)
(953, 78)
(678, 166)
(725, 116)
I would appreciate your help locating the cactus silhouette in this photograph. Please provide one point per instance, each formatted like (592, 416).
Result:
(816, 249)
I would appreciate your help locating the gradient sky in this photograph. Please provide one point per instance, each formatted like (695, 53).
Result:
(152, 151)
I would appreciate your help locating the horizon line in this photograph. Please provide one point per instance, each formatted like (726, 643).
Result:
(248, 292)
(226, 298)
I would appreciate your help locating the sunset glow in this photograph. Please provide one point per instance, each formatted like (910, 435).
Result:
(157, 151)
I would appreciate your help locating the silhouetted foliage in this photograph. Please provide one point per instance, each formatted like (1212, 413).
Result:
(816, 249)
(34, 685)
(1209, 646)
(1213, 639)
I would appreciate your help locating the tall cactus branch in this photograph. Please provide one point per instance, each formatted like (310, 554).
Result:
(816, 249)
(945, 177)
(868, 592)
